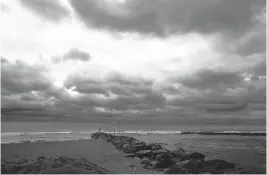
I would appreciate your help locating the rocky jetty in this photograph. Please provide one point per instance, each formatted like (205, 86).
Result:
(167, 158)
(57, 165)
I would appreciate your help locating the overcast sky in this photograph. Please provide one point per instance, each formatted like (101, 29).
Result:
(93, 60)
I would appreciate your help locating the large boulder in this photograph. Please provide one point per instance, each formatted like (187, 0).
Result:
(154, 153)
(145, 160)
(129, 149)
(186, 166)
(142, 153)
(218, 164)
(119, 143)
(174, 151)
(152, 146)
(139, 145)
(163, 161)
(194, 155)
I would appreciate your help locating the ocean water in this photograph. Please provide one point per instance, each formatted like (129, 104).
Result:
(248, 152)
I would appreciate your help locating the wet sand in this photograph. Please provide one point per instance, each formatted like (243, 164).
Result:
(96, 151)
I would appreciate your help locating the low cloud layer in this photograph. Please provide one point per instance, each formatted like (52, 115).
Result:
(166, 61)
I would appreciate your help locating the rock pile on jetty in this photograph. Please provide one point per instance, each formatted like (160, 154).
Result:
(167, 158)
(57, 165)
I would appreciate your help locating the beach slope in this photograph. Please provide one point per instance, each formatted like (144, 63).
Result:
(97, 152)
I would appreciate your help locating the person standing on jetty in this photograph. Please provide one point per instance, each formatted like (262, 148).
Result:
(99, 129)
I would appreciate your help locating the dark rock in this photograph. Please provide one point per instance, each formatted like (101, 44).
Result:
(129, 149)
(150, 164)
(175, 152)
(132, 165)
(40, 158)
(129, 155)
(225, 171)
(177, 159)
(140, 145)
(194, 155)
(219, 164)
(186, 166)
(152, 146)
(145, 160)
(163, 161)
(143, 153)
(159, 151)
(162, 156)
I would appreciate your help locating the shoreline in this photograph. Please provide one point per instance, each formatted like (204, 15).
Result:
(111, 159)
(19, 137)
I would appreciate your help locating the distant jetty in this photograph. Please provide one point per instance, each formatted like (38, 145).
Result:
(227, 133)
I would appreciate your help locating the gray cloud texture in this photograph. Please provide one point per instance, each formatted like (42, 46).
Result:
(47, 8)
(73, 54)
(163, 17)
(119, 96)
(77, 54)
(27, 92)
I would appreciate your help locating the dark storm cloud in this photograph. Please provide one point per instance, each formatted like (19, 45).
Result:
(254, 41)
(5, 91)
(162, 17)
(120, 96)
(132, 93)
(220, 90)
(206, 87)
(20, 77)
(94, 15)
(24, 91)
(114, 82)
(208, 99)
(258, 95)
(212, 103)
(50, 9)
(211, 79)
(256, 44)
(18, 109)
(147, 101)
(228, 108)
(259, 69)
(87, 86)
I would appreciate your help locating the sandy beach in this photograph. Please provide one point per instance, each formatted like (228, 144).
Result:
(96, 151)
